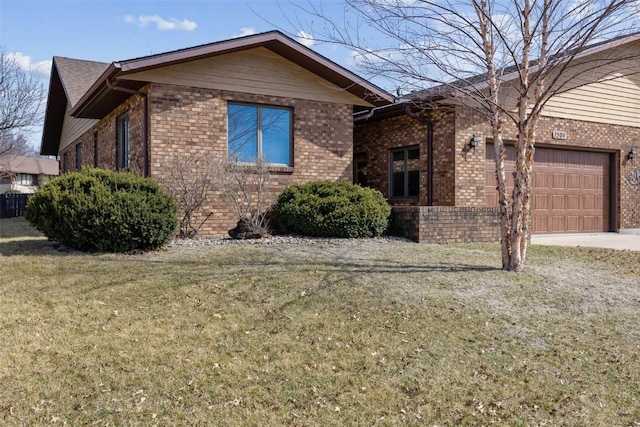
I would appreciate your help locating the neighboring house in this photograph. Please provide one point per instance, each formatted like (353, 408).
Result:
(328, 123)
(22, 174)
(140, 114)
(585, 177)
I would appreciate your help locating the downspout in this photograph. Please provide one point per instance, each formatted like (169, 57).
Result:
(145, 122)
(429, 124)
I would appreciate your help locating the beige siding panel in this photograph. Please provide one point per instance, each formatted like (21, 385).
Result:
(615, 101)
(603, 93)
(256, 71)
(73, 128)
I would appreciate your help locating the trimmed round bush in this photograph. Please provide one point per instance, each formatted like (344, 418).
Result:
(332, 209)
(105, 211)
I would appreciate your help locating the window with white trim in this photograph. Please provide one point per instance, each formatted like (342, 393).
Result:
(26, 179)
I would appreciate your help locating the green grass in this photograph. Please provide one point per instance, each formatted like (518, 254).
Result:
(318, 334)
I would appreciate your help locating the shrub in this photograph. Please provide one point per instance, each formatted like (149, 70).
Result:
(98, 210)
(332, 209)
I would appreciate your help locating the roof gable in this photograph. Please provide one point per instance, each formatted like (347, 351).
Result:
(257, 71)
(77, 76)
(99, 98)
(606, 93)
(86, 87)
(70, 79)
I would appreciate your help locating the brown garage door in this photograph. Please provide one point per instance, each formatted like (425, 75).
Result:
(570, 189)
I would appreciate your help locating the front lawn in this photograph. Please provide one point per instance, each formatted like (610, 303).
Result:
(322, 333)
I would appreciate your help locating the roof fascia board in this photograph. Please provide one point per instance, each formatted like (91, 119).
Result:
(193, 53)
(53, 125)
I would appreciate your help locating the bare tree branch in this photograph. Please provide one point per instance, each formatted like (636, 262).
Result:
(21, 96)
(503, 59)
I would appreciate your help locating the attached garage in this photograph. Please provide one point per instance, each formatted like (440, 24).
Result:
(571, 189)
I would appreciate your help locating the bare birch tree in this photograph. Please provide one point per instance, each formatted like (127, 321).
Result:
(505, 59)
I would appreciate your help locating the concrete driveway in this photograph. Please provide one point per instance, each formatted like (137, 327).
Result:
(590, 240)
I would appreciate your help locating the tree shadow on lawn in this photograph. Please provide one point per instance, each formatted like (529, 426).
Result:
(35, 246)
(324, 266)
(32, 246)
(17, 237)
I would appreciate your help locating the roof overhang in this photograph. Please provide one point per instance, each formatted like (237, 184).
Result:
(54, 116)
(100, 99)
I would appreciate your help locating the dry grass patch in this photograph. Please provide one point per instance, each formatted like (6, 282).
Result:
(347, 333)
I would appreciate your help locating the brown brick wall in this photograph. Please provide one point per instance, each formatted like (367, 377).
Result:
(377, 138)
(458, 175)
(107, 139)
(446, 224)
(190, 121)
(613, 139)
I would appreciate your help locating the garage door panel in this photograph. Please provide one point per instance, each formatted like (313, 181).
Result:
(541, 223)
(542, 180)
(574, 223)
(591, 221)
(541, 201)
(559, 224)
(557, 203)
(573, 202)
(600, 203)
(592, 183)
(589, 203)
(570, 189)
(559, 181)
(574, 181)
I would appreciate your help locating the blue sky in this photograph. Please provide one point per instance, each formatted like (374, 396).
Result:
(111, 30)
(33, 31)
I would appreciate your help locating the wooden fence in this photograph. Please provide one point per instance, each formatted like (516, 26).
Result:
(12, 205)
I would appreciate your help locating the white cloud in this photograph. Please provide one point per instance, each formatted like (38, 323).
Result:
(305, 38)
(161, 23)
(42, 68)
(244, 31)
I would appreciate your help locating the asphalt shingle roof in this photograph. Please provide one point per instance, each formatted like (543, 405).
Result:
(31, 165)
(78, 75)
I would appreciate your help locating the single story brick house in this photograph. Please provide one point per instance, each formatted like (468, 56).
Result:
(24, 174)
(139, 114)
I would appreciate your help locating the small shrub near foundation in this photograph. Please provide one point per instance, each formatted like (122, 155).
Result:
(332, 209)
(99, 210)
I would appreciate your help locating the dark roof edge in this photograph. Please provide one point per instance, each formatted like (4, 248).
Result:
(53, 125)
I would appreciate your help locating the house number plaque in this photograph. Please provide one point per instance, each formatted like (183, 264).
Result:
(559, 134)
